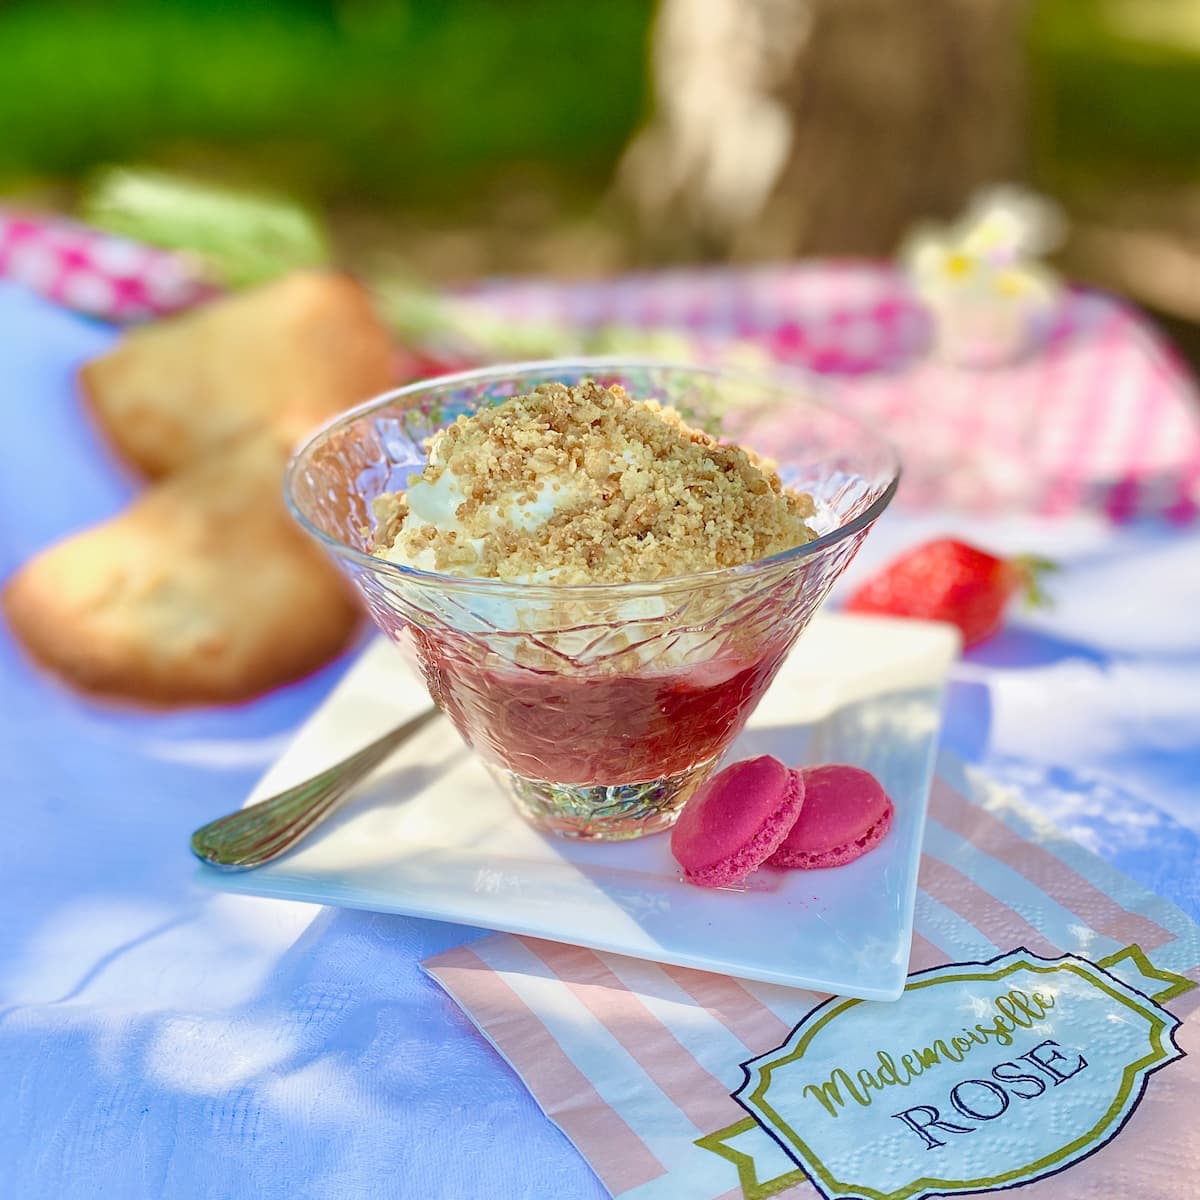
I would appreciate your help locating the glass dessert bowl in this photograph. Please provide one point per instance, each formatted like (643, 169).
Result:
(598, 707)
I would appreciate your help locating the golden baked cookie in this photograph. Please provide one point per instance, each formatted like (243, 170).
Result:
(287, 356)
(202, 591)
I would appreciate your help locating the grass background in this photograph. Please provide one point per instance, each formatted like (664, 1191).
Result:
(412, 101)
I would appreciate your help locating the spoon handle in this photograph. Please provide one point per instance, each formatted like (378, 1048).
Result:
(260, 832)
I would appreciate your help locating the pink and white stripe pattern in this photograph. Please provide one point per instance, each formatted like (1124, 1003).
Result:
(634, 1061)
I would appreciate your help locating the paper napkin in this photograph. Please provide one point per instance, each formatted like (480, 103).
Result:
(1043, 1040)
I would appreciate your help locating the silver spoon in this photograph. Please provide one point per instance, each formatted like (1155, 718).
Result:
(260, 832)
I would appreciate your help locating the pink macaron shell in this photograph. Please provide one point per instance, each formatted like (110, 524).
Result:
(736, 821)
(846, 813)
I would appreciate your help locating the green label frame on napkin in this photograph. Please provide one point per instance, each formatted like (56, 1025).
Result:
(859, 1095)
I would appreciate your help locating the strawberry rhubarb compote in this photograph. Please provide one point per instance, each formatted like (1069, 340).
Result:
(548, 493)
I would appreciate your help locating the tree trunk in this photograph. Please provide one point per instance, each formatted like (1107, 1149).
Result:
(796, 127)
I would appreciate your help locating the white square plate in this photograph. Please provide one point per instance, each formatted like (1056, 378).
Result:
(429, 835)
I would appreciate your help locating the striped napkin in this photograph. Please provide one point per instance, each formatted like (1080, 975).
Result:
(1043, 1040)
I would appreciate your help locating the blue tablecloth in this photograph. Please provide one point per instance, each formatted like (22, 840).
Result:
(160, 1041)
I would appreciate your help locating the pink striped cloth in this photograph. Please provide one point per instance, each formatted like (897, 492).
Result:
(1106, 418)
(639, 1064)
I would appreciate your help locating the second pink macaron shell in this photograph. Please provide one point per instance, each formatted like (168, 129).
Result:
(736, 821)
(846, 813)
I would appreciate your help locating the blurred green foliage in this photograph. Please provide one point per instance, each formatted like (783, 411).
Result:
(242, 238)
(368, 100)
(1116, 89)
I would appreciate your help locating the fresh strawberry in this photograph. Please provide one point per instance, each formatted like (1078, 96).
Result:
(947, 580)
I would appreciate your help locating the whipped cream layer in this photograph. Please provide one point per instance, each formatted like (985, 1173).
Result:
(435, 504)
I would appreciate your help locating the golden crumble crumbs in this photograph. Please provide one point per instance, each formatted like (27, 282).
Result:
(585, 485)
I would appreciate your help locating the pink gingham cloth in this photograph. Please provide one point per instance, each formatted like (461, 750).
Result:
(1103, 419)
(831, 317)
(97, 273)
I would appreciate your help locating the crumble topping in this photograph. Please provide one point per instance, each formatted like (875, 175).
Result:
(584, 484)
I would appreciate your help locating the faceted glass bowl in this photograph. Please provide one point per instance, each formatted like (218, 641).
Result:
(598, 708)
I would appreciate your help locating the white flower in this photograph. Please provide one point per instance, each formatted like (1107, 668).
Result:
(1012, 221)
(990, 255)
(981, 280)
